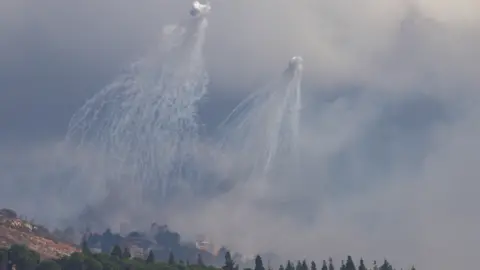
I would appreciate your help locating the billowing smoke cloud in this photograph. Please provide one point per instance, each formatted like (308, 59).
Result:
(389, 122)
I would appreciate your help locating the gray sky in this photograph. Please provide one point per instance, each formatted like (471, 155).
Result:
(390, 119)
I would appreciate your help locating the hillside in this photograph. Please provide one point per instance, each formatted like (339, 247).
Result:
(52, 245)
(160, 240)
(14, 230)
(56, 244)
(140, 251)
(17, 230)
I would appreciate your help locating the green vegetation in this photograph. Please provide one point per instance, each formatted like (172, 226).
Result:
(22, 258)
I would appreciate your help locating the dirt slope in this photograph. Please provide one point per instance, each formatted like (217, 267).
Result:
(14, 230)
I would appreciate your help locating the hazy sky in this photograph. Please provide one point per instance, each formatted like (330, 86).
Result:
(389, 125)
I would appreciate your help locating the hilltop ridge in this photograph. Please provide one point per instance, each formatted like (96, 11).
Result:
(16, 230)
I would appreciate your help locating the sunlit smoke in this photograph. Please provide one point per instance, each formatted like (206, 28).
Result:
(145, 122)
(261, 134)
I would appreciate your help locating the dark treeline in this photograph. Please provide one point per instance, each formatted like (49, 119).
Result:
(347, 264)
(171, 243)
(19, 257)
(162, 241)
(160, 249)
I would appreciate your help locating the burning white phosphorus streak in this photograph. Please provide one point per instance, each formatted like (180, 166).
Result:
(145, 121)
(261, 134)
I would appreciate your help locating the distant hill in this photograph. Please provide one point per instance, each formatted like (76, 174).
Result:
(15, 230)
(160, 240)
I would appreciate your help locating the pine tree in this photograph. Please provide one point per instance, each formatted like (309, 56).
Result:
(259, 263)
(362, 265)
(289, 266)
(116, 252)
(126, 253)
(375, 267)
(200, 260)
(324, 265)
(85, 248)
(304, 265)
(386, 265)
(229, 262)
(298, 266)
(343, 266)
(350, 264)
(313, 266)
(330, 264)
(413, 267)
(171, 258)
(281, 267)
(3, 259)
(106, 241)
(151, 257)
(48, 265)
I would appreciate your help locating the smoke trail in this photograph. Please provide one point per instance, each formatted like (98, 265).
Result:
(145, 121)
(258, 158)
(262, 131)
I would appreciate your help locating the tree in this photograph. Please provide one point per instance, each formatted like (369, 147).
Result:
(74, 262)
(92, 264)
(304, 265)
(324, 265)
(281, 267)
(150, 258)
(180, 265)
(375, 267)
(116, 252)
(259, 263)
(362, 265)
(298, 266)
(126, 253)
(171, 258)
(413, 267)
(386, 265)
(350, 264)
(200, 260)
(23, 258)
(313, 266)
(168, 239)
(48, 265)
(289, 266)
(330, 264)
(342, 267)
(85, 248)
(3, 259)
(106, 241)
(229, 262)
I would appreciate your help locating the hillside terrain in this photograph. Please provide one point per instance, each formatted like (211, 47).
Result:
(25, 245)
(15, 230)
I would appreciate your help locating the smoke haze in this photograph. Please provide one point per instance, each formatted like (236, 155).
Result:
(389, 123)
